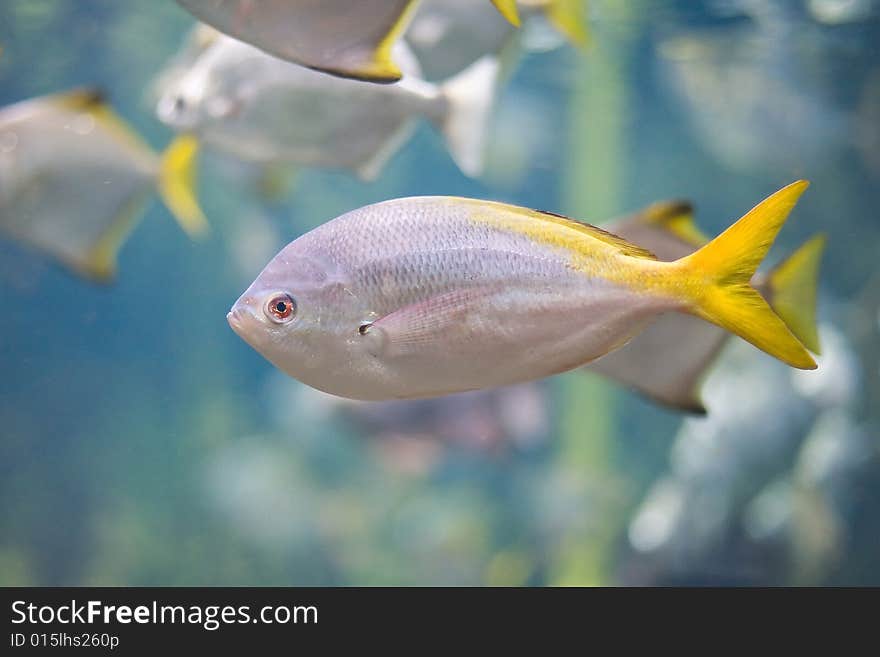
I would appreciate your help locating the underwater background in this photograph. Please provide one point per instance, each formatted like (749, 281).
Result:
(143, 443)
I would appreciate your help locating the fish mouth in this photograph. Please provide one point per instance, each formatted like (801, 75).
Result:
(235, 320)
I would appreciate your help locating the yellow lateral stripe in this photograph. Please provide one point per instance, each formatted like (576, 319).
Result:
(584, 241)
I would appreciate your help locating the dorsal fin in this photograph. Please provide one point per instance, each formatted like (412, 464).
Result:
(625, 247)
(93, 101)
(80, 100)
(677, 217)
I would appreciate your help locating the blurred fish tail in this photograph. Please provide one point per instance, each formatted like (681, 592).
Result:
(509, 10)
(470, 96)
(177, 183)
(792, 290)
(722, 271)
(570, 18)
(99, 265)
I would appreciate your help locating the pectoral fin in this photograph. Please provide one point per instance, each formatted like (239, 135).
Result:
(424, 324)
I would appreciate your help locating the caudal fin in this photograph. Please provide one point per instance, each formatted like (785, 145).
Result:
(470, 96)
(177, 183)
(791, 288)
(570, 18)
(724, 268)
(508, 10)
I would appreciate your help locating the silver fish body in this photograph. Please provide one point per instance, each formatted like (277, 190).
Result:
(449, 35)
(423, 296)
(340, 37)
(242, 101)
(71, 180)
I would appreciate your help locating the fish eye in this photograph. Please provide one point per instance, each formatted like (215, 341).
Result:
(281, 308)
(179, 104)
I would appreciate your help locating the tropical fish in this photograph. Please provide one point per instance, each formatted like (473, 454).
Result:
(668, 361)
(427, 296)
(73, 176)
(339, 37)
(241, 101)
(449, 35)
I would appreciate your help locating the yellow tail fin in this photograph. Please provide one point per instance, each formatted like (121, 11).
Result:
(508, 10)
(570, 18)
(177, 182)
(724, 268)
(792, 290)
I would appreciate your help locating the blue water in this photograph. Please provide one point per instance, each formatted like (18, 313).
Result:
(144, 443)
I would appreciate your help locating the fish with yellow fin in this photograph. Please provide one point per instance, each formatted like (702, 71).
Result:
(427, 296)
(449, 35)
(74, 176)
(340, 37)
(668, 361)
(242, 101)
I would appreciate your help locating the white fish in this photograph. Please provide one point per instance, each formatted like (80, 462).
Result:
(242, 101)
(449, 35)
(427, 296)
(73, 178)
(340, 37)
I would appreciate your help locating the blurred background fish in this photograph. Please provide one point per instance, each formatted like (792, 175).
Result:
(717, 513)
(74, 177)
(449, 35)
(239, 100)
(339, 37)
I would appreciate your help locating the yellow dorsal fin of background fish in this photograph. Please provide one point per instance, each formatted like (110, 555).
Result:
(93, 102)
(729, 262)
(677, 217)
(78, 100)
(570, 18)
(509, 10)
(793, 287)
(177, 183)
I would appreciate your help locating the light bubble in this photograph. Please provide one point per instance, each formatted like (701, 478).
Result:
(83, 124)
